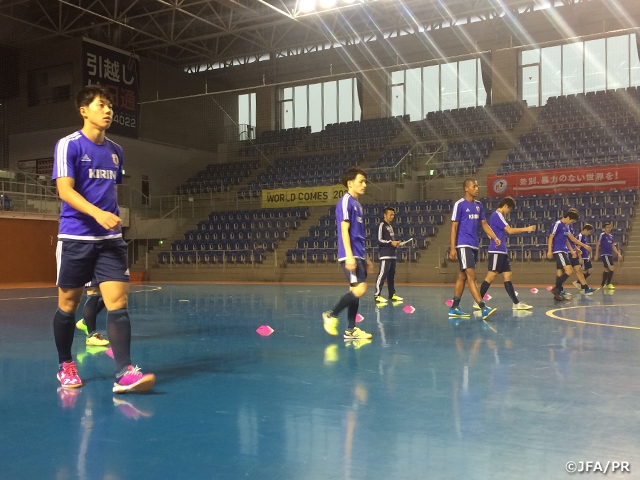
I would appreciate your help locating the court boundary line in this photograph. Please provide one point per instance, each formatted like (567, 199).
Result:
(550, 313)
(154, 288)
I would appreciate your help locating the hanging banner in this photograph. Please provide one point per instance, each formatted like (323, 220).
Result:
(118, 72)
(564, 180)
(302, 196)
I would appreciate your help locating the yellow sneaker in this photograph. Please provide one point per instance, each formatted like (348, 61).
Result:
(97, 340)
(330, 324)
(396, 298)
(80, 325)
(381, 299)
(356, 334)
(356, 344)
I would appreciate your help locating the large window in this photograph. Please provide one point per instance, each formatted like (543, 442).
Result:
(247, 115)
(418, 91)
(319, 104)
(579, 67)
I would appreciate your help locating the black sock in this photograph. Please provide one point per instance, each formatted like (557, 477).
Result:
(610, 277)
(119, 332)
(352, 312)
(560, 280)
(508, 286)
(343, 303)
(456, 302)
(584, 286)
(64, 325)
(484, 288)
(92, 307)
(586, 275)
(605, 276)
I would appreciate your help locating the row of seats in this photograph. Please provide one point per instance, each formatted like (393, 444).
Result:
(211, 258)
(365, 134)
(217, 178)
(274, 141)
(324, 255)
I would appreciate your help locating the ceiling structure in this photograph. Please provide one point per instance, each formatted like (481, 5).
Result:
(197, 34)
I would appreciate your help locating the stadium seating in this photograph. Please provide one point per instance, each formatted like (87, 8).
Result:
(217, 178)
(241, 236)
(275, 141)
(357, 135)
(417, 220)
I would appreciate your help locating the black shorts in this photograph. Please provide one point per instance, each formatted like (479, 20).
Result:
(562, 260)
(575, 261)
(467, 257)
(91, 263)
(607, 260)
(359, 276)
(499, 262)
(586, 264)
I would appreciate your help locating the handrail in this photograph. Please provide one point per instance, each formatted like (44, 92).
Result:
(163, 217)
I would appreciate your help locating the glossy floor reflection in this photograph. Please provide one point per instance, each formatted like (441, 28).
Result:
(516, 398)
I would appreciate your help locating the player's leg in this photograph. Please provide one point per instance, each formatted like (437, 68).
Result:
(563, 270)
(391, 281)
(358, 289)
(380, 279)
(75, 267)
(612, 269)
(491, 274)
(112, 273)
(458, 288)
(92, 307)
(475, 293)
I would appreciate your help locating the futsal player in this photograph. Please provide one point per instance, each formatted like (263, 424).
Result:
(558, 248)
(498, 256)
(87, 166)
(387, 247)
(605, 248)
(468, 214)
(351, 255)
(585, 259)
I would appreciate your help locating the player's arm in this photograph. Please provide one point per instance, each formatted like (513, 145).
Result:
(572, 251)
(615, 249)
(489, 231)
(453, 253)
(70, 195)
(350, 263)
(578, 242)
(550, 246)
(511, 230)
(595, 258)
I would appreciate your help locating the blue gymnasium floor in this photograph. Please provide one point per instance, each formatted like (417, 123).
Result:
(515, 399)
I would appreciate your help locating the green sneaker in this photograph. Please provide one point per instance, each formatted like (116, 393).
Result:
(80, 325)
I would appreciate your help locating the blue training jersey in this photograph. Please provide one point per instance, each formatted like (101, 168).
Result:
(606, 243)
(584, 239)
(560, 231)
(96, 169)
(468, 215)
(349, 209)
(497, 223)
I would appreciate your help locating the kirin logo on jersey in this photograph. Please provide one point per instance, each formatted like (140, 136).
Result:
(99, 173)
(116, 160)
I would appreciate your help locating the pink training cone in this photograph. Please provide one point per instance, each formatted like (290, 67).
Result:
(409, 309)
(109, 352)
(449, 303)
(264, 330)
(549, 288)
(359, 318)
(488, 297)
(534, 290)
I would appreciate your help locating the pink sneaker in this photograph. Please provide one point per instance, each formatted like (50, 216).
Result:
(68, 375)
(134, 381)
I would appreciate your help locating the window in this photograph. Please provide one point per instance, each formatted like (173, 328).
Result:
(49, 85)
(247, 115)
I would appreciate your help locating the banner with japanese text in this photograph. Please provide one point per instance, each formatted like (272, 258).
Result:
(565, 180)
(118, 72)
(302, 196)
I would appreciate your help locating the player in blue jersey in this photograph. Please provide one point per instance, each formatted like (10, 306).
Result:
(585, 256)
(351, 255)
(559, 246)
(467, 216)
(605, 249)
(87, 167)
(498, 256)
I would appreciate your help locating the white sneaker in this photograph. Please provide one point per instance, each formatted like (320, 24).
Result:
(476, 306)
(522, 306)
(577, 285)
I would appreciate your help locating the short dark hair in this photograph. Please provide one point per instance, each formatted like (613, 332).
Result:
(351, 174)
(468, 181)
(606, 223)
(508, 201)
(587, 226)
(87, 94)
(572, 214)
(388, 209)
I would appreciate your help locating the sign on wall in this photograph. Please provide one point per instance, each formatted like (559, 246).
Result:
(564, 180)
(302, 197)
(118, 72)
